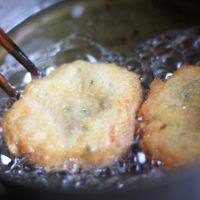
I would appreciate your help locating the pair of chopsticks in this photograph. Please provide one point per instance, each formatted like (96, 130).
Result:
(9, 45)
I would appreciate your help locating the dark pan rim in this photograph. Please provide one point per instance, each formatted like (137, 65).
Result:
(172, 178)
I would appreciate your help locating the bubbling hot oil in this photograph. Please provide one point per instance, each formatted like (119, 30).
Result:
(156, 58)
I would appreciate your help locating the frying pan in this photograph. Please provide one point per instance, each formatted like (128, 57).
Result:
(176, 184)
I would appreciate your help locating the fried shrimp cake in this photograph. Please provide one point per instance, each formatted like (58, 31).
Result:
(171, 118)
(82, 113)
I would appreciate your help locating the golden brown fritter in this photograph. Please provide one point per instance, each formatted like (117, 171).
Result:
(171, 119)
(82, 113)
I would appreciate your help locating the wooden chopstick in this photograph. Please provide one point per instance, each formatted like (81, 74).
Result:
(14, 50)
(8, 88)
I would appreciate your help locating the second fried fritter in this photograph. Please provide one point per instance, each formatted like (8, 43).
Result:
(171, 119)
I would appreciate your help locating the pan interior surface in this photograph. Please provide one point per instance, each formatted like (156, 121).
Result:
(148, 40)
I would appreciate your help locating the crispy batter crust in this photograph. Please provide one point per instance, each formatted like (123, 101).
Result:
(81, 113)
(171, 118)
